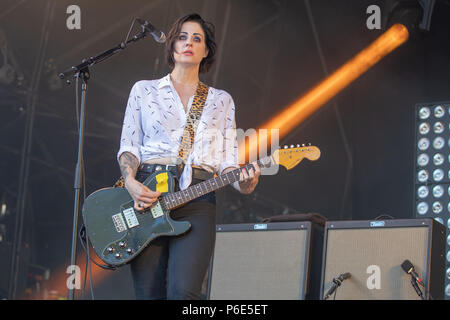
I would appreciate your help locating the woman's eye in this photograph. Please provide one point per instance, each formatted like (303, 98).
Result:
(182, 37)
(198, 39)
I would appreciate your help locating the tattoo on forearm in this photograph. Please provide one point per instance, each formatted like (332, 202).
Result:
(128, 165)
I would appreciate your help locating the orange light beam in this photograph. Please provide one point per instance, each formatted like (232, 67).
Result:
(309, 103)
(58, 279)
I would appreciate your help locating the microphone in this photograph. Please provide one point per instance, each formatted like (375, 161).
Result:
(336, 283)
(408, 267)
(158, 35)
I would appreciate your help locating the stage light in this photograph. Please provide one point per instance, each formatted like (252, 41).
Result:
(438, 159)
(4, 209)
(438, 175)
(422, 208)
(432, 193)
(424, 113)
(423, 192)
(2, 233)
(437, 207)
(293, 115)
(424, 128)
(439, 111)
(415, 14)
(422, 176)
(438, 143)
(438, 191)
(438, 127)
(424, 144)
(423, 160)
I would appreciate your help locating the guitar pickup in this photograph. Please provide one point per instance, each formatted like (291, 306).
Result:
(130, 218)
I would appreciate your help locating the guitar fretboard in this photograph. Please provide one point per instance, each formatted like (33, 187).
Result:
(178, 198)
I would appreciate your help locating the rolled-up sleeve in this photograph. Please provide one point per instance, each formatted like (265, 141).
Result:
(131, 138)
(230, 143)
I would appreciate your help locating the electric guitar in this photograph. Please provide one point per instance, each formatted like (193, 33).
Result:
(118, 232)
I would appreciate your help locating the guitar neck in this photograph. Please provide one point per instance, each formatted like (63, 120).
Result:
(175, 199)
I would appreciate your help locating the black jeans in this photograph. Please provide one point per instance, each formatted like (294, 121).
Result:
(174, 267)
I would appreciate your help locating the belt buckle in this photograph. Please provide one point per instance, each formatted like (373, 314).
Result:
(160, 167)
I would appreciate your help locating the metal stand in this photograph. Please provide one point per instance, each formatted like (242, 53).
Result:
(84, 76)
(82, 71)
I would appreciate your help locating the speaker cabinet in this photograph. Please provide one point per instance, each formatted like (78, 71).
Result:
(373, 251)
(269, 261)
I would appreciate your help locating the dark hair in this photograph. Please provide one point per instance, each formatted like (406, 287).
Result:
(208, 29)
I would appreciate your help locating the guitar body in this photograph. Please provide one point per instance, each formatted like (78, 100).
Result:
(117, 232)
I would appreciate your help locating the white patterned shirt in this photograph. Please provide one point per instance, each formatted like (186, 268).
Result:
(154, 123)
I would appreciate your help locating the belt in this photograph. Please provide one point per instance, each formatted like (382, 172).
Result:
(197, 173)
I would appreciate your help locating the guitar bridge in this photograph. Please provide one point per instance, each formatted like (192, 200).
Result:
(119, 223)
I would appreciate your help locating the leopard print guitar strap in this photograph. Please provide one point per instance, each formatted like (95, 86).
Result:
(193, 118)
(187, 139)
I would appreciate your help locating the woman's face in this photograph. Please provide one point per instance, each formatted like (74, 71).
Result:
(190, 47)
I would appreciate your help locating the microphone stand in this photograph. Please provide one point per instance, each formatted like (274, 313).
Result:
(416, 288)
(101, 57)
(337, 283)
(82, 71)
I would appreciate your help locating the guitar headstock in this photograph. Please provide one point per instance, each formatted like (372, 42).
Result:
(289, 157)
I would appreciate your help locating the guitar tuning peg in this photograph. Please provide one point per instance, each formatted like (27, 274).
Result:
(298, 146)
(309, 144)
(303, 145)
(285, 147)
(292, 146)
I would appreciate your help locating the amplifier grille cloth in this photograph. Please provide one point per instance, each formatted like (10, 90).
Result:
(354, 250)
(259, 265)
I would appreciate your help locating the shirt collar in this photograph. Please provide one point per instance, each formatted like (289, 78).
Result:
(163, 82)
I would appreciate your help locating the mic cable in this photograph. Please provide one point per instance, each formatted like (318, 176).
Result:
(337, 283)
(416, 287)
